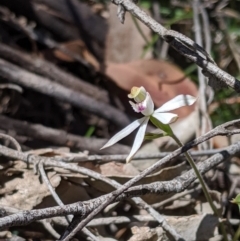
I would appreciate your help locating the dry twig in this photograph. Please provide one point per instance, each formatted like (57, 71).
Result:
(84, 208)
(45, 68)
(72, 157)
(182, 44)
(45, 86)
(204, 120)
(58, 137)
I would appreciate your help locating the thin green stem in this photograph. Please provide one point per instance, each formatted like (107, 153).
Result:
(237, 234)
(199, 176)
(149, 43)
(204, 187)
(140, 30)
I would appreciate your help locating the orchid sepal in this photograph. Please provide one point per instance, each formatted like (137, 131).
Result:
(177, 102)
(125, 132)
(138, 139)
(165, 118)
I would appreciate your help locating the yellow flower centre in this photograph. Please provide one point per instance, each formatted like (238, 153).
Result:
(138, 94)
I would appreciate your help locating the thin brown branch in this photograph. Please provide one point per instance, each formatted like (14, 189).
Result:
(204, 120)
(49, 228)
(116, 185)
(182, 44)
(72, 157)
(181, 183)
(50, 188)
(222, 129)
(177, 196)
(84, 208)
(12, 140)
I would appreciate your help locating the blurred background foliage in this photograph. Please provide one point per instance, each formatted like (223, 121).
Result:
(224, 22)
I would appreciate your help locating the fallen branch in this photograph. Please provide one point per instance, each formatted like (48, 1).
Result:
(84, 208)
(47, 69)
(221, 130)
(58, 137)
(73, 157)
(59, 201)
(182, 44)
(45, 86)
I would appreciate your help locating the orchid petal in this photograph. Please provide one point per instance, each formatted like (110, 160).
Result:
(125, 132)
(177, 102)
(138, 139)
(165, 118)
(149, 105)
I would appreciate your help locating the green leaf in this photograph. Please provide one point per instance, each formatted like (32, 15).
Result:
(145, 4)
(165, 11)
(161, 126)
(179, 16)
(236, 200)
(90, 131)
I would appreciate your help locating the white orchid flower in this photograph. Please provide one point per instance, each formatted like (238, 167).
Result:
(144, 104)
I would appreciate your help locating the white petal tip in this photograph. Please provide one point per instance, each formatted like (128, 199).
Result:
(105, 146)
(128, 160)
(173, 120)
(191, 99)
(166, 118)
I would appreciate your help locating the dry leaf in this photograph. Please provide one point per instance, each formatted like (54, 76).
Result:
(177, 204)
(161, 79)
(115, 169)
(143, 233)
(106, 239)
(205, 207)
(78, 48)
(191, 228)
(124, 42)
(69, 192)
(121, 175)
(22, 195)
